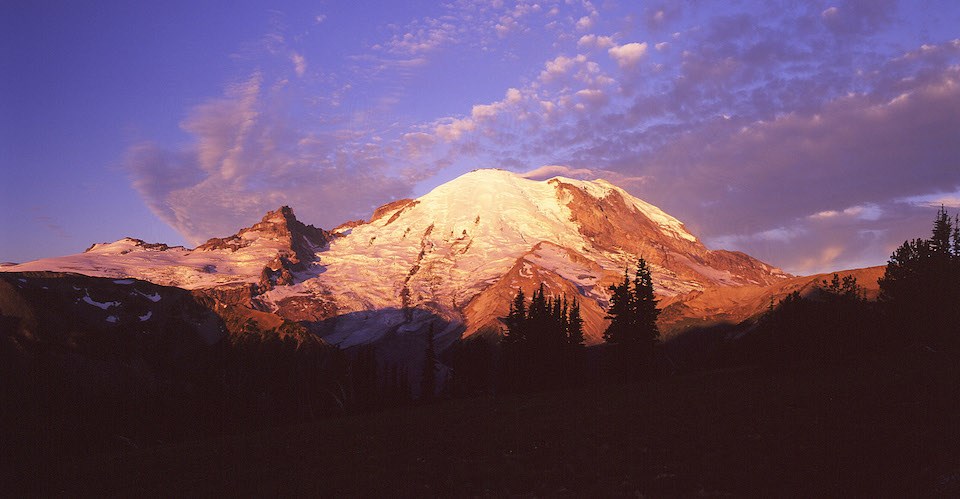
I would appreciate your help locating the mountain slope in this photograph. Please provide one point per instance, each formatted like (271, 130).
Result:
(455, 255)
(453, 251)
(732, 305)
(279, 241)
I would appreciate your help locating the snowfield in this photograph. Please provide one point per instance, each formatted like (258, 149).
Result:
(438, 253)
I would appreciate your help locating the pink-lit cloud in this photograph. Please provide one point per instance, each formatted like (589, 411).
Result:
(628, 55)
(789, 138)
(299, 63)
(245, 161)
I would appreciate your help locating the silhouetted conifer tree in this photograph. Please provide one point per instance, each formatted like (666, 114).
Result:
(920, 288)
(618, 313)
(396, 387)
(363, 379)
(633, 331)
(537, 348)
(940, 241)
(645, 310)
(428, 378)
(574, 349)
(516, 320)
(514, 345)
(539, 356)
(473, 367)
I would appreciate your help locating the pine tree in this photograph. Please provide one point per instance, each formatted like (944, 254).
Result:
(539, 310)
(514, 345)
(920, 288)
(645, 309)
(573, 347)
(956, 236)
(633, 330)
(538, 320)
(539, 359)
(618, 313)
(428, 379)
(575, 327)
(942, 233)
(516, 320)
(364, 376)
(559, 318)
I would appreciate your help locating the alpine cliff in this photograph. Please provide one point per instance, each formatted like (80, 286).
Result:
(453, 257)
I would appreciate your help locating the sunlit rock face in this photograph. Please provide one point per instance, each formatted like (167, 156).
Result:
(455, 257)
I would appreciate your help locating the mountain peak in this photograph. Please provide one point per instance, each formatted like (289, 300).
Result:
(458, 252)
(278, 225)
(282, 218)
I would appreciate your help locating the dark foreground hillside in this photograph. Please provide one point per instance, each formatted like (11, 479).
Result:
(805, 432)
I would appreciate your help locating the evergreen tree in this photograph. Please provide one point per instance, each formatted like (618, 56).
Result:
(920, 288)
(539, 312)
(396, 388)
(537, 348)
(618, 313)
(541, 355)
(560, 317)
(573, 347)
(428, 379)
(940, 242)
(473, 367)
(846, 289)
(785, 329)
(514, 345)
(516, 320)
(575, 327)
(956, 236)
(645, 309)
(364, 374)
(633, 330)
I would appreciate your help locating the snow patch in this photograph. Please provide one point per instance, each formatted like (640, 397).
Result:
(124, 281)
(102, 305)
(146, 316)
(526, 271)
(154, 297)
(112, 319)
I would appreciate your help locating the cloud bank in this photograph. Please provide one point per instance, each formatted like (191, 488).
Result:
(246, 161)
(796, 135)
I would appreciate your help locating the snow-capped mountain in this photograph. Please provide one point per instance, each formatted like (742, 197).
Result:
(457, 254)
(278, 242)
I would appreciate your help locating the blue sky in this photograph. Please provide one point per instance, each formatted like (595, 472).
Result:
(813, 135)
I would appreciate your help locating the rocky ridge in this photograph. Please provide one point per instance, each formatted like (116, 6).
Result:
(454, 256)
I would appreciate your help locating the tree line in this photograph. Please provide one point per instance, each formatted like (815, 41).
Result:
(256, 379)
(918, 307)
(542, 345)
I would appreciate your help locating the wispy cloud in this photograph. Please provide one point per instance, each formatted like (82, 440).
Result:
(549, 171)
(794, 136)
(422, 36)
(754, 176)
(299, 63)
(245, 160)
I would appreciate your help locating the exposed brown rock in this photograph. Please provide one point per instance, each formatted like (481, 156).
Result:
(282, 224)
(396, 207)
(611, 223)
(734, 304)
(484, 311)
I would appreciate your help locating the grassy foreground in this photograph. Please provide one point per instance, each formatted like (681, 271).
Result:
(803, 432)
